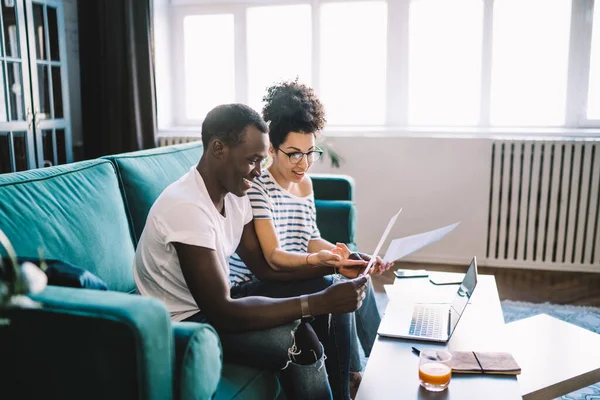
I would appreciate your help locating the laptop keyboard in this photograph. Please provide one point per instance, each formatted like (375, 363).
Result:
(426, 321)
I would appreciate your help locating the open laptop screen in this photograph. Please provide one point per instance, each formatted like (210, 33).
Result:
(464, 293)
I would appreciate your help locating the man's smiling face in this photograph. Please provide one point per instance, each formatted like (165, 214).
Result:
(242, 163)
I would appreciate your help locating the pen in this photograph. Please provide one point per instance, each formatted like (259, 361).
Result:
(416, 351)
(449, 322)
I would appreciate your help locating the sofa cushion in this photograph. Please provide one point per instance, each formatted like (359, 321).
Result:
(73, 212)
(145, 174)
(336, 220)
(240, 382)
(333, 186)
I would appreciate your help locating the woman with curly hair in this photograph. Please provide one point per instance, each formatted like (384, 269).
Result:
(284, 211)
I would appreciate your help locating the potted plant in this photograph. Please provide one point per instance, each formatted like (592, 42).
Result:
(334, 157)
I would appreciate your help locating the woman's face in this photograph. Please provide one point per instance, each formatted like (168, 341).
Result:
(295, 143)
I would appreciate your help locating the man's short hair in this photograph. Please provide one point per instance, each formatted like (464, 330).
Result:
(227, 123)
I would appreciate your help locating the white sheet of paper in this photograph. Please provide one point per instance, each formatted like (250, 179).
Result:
(402, 247)
(386, 232)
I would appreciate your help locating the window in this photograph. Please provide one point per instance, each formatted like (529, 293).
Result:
(444, 61)
(593, 103)
(476, 64)
(209, 63)
(530, 62)
(353, 62)
(279, 48)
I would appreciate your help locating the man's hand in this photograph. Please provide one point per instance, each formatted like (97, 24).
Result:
(352, 272)
(342, 297)
(379, 266)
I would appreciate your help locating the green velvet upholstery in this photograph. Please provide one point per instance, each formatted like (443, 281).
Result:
(75, 214)
(336, 220)
(197, 348)
(244, 383)
(333, 187)
(145, 174)
(122, 347)
(88, 344)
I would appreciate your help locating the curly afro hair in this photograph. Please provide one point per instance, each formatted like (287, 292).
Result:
(292, 107)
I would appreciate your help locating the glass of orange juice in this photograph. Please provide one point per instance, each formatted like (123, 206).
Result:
(435, 369)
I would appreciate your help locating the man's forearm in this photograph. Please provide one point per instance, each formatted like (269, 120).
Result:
(251, 313)
(256, 312)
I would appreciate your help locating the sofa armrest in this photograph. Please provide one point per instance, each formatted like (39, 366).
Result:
(336, 220)
(332, 187)
(87, 344)
(198, 360)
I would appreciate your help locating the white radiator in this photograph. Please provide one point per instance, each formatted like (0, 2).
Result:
(544, 204)
(170, 140)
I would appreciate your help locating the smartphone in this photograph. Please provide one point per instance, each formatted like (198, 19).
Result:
(411, 273)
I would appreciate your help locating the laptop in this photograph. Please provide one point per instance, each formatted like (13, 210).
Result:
(433, 322)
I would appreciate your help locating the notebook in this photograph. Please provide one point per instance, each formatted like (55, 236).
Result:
(429, 321)
(483, 362)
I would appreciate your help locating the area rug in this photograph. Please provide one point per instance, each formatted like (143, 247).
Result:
(585, 317)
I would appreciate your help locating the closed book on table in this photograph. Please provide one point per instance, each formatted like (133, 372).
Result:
(483, 362)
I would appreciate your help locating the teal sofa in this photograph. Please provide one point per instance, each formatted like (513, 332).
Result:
(95, 345)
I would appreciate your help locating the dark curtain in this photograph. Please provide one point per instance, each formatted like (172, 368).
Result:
(117, 76)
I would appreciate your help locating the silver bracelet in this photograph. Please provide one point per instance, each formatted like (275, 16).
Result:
(304, 306)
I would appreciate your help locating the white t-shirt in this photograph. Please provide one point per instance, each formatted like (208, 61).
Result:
(185, 213)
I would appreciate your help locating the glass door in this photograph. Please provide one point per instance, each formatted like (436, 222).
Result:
(17, 147)
(48, 66)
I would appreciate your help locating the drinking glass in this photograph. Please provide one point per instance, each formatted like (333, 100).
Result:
(435, 369)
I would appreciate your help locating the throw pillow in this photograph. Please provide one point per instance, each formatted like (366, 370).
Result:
(61, 273)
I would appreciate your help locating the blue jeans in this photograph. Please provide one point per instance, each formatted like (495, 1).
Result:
(365, 323)
(269, 348)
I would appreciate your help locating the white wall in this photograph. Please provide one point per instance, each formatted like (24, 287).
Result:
(437, 181)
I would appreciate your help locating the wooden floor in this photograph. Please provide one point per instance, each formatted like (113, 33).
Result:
(525, 285)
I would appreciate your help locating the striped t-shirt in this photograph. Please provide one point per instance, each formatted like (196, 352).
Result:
(295, 220)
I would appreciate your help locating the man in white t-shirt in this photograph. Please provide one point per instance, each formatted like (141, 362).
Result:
(193, 228)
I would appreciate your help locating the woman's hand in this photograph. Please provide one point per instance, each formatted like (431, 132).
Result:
(339, 257)
(342, 250)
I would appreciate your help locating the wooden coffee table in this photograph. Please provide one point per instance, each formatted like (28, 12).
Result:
(556, 357)
(391, 371)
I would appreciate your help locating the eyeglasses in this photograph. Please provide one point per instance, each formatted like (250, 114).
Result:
(297, 156)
